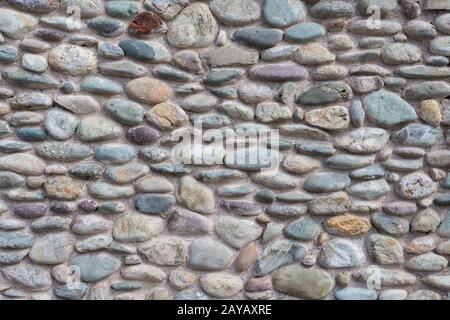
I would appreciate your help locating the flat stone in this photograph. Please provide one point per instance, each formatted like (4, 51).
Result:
(60, 125)
(341, 253)
(385, 250)
(52, 249)
(277, 254)
(259, 37)
(23, 163)
(166, 251)
(400, 53)
(115, 153)
(145, 51)
(148, 90)
(78, 104)
(236, 12)
(438, 158)
(100, 85)
(16, 240)
(347, 225)
(386, 109)
(200, 23)
(350, 293)
(143, 272)
(154, 203)
(279, 72)
(186, 222)
(95, 267)
(209, 255)
(418, 135)
(73, 60)
(196, 196)
(237, 232)
(16, 25)
(386, 28)
(30, 80)
(133, 227)
(126, 173)
(221, 285)
(427, 262)
(437, 281)
(370, 190)
(331, 204)
(63, 151)
(303, 228)
(32, 277)
(282, 13)
(103, 190)
(302, 282)
(416, 186)
(388, 277)
(330, 92)
(326, 182)
(393, 226)
(167, 9)
(331, 118)
(303, 32)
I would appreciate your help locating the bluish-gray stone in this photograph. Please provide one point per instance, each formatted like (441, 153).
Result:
(326, 182)
(154, 203)
(115, 153)
(419, 135)
(124, 111)
(303, 228)
(351, 293)
(95, 267)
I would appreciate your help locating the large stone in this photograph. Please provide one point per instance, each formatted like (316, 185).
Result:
(23, 163)
(331, 118)
(278, 254)
(193, 27)
(363, 140)
(97, 128)
(282, 13)
(165, 251)
(385, 250)
(73, 60)
(416, 186)
(16, 25)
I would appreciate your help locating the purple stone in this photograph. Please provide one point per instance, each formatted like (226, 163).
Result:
(279, 72)
(400, 208)
(142, 135)
(88, 205)
(30, 210)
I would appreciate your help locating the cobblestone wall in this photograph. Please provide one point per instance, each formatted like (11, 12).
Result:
(96, 206)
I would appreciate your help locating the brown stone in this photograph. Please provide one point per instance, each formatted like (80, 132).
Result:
(347, 225)
(146, 23)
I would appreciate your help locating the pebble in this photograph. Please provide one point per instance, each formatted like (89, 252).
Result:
(282, 13)
(154, 203)
(326, 182)
(96, 128)
(221, 285)
(350, 293)
(295, 280)
(145, 51)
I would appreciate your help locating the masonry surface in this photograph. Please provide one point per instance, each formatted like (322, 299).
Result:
(94, 206)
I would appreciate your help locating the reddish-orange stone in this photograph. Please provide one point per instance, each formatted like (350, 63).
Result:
(146, 23)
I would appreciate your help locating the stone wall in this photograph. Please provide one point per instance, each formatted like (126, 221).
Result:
(94, 206)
